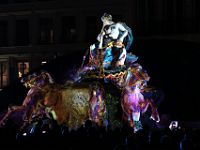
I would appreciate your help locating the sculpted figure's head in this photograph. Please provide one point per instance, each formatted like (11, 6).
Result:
(106, 17)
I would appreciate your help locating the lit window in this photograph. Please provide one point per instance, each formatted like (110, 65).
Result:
(23, 68)
(3, 74)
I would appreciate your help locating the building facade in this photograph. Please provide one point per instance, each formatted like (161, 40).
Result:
(33, 32)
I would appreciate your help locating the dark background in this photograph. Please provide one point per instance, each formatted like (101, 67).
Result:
(173, 67)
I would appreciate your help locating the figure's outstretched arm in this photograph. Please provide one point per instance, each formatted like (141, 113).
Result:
(101, 36)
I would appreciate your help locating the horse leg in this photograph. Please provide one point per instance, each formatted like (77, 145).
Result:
(136, 121)
(9, 113)
(5, 118)
(130, 119)
(127, 117)
(154, 112)
(145, 106)
(27, 118)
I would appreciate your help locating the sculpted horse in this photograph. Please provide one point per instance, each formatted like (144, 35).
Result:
(97, 109)
(33, 100)
(133, 84)
(69, 104)
(73, 103)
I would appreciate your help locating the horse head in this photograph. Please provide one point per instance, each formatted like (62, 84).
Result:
(132, 76)
(37, 79)
(138, 76)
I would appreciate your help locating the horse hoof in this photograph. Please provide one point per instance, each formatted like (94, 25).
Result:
(157, 119)
(2, 124)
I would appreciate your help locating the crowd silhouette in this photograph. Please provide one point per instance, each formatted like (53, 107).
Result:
(91, 136)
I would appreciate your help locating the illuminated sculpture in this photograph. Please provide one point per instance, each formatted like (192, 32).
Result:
(97, 102)
(133, 102)
(110, 52)
(67, 104)
(109, 60)
(75, 102)
(35, 99)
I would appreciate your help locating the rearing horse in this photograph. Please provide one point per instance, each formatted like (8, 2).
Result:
(132, 101)
(34, 98)
(69, 104)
